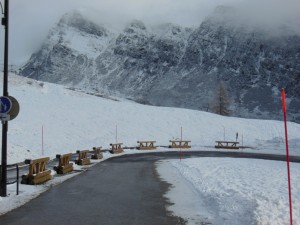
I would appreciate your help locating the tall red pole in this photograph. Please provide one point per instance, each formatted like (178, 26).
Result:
(42, 140)
(287, 154)
(180, 143)
(116, 133)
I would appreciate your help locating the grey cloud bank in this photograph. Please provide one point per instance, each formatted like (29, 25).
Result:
(31, 20)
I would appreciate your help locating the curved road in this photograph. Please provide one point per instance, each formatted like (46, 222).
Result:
(121, 190)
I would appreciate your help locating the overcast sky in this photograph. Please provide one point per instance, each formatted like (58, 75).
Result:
(30, 20)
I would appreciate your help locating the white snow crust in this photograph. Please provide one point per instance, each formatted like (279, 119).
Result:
(232, 191)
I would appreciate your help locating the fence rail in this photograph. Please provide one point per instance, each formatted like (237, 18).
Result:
(13, 180)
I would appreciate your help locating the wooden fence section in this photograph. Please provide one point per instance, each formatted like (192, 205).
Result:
(82, 158)
(179, 144)
(64, 165)
(227, 144)
(37, 171)
(116, 148)
(97, 153)
(146, 145)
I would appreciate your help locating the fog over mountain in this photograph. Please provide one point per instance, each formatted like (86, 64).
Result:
(31, 20)
(173, 65)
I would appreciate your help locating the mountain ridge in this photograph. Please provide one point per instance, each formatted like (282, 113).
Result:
(176, 66)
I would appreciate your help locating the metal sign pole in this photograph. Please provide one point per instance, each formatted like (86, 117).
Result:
(5, 93)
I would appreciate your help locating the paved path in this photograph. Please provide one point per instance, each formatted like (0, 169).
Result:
(123, 190)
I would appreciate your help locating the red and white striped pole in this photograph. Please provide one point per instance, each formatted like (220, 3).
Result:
(287, 154)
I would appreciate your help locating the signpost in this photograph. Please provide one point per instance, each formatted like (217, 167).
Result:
(9, 106)
(9, 109)
(5, 107)
(15, 108)
(5, 23)
(6, 104)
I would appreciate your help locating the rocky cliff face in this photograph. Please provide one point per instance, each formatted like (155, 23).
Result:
(171, 65)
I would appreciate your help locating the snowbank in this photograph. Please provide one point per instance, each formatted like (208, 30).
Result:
(231, 191)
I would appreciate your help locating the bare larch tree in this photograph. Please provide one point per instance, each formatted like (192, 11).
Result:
(221, 102)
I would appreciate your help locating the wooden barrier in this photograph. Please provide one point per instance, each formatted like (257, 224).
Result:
(116, 148)
(97, 153)
(82, 158)
(146, 145)
(37, 171)
(64, 165)
(227, 144)
(179, 144)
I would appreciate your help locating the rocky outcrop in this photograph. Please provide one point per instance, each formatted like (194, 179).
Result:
(170, 65)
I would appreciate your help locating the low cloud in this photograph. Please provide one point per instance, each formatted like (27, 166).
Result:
(31, 20)
(272, 11)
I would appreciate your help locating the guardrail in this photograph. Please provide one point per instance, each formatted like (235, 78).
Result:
(14, 180)
(64, 165)
(116, 148)
(37, 171)
(179, 144)
(146, 145)
(97, 154)
(82, 158)
(227, 144)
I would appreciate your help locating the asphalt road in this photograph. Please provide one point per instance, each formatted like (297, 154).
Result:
(122, 190)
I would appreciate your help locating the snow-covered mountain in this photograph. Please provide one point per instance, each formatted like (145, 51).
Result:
(175, 66)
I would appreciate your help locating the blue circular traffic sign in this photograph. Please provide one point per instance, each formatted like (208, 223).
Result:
(5, 104)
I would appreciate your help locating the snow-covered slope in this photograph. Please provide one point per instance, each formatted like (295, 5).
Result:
(75, 121)
(169, 65)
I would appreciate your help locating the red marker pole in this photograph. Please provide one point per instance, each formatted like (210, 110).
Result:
(116, 134)
(181, 142)
(42, 140)
(287, 154)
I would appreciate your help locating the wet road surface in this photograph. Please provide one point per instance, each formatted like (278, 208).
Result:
(122, 190)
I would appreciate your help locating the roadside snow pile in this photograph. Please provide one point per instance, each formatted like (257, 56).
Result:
(76, 121)
(232, 191)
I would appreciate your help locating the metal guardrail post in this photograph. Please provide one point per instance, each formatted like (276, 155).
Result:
(17, 176)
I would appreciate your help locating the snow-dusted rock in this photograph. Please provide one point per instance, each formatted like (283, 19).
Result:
(175, 66)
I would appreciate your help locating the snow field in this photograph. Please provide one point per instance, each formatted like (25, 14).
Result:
(76, 121)
(233, 191)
